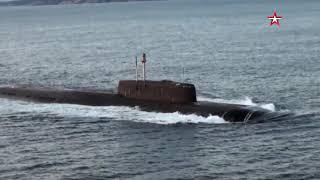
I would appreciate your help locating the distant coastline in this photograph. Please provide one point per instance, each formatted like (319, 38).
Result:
(57, 2)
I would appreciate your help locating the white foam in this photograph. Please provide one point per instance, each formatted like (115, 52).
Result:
(114, 112)
(246, 101)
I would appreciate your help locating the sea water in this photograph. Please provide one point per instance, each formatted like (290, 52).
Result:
(226, 48)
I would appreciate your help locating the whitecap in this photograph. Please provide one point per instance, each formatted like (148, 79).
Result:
(246, 101)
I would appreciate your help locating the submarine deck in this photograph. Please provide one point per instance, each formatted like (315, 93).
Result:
(230, 112)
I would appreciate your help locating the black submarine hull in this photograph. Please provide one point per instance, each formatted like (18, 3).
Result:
(229, 112)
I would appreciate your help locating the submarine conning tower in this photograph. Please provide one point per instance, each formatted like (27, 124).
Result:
(156, 91)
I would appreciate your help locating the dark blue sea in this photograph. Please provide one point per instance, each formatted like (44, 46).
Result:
(225, 47)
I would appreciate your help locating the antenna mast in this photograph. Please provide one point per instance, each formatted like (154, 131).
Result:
(144, 60)
(136, 69)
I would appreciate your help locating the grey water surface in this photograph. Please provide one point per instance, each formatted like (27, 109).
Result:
(226, 48)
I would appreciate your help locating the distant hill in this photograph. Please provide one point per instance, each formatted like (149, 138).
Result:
(55, 2)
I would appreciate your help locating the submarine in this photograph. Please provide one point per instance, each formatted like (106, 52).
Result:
(147, 95)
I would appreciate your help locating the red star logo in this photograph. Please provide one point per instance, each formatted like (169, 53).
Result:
(275, 19)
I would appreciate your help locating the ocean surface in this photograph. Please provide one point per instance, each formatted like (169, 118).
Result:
(225, 47)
